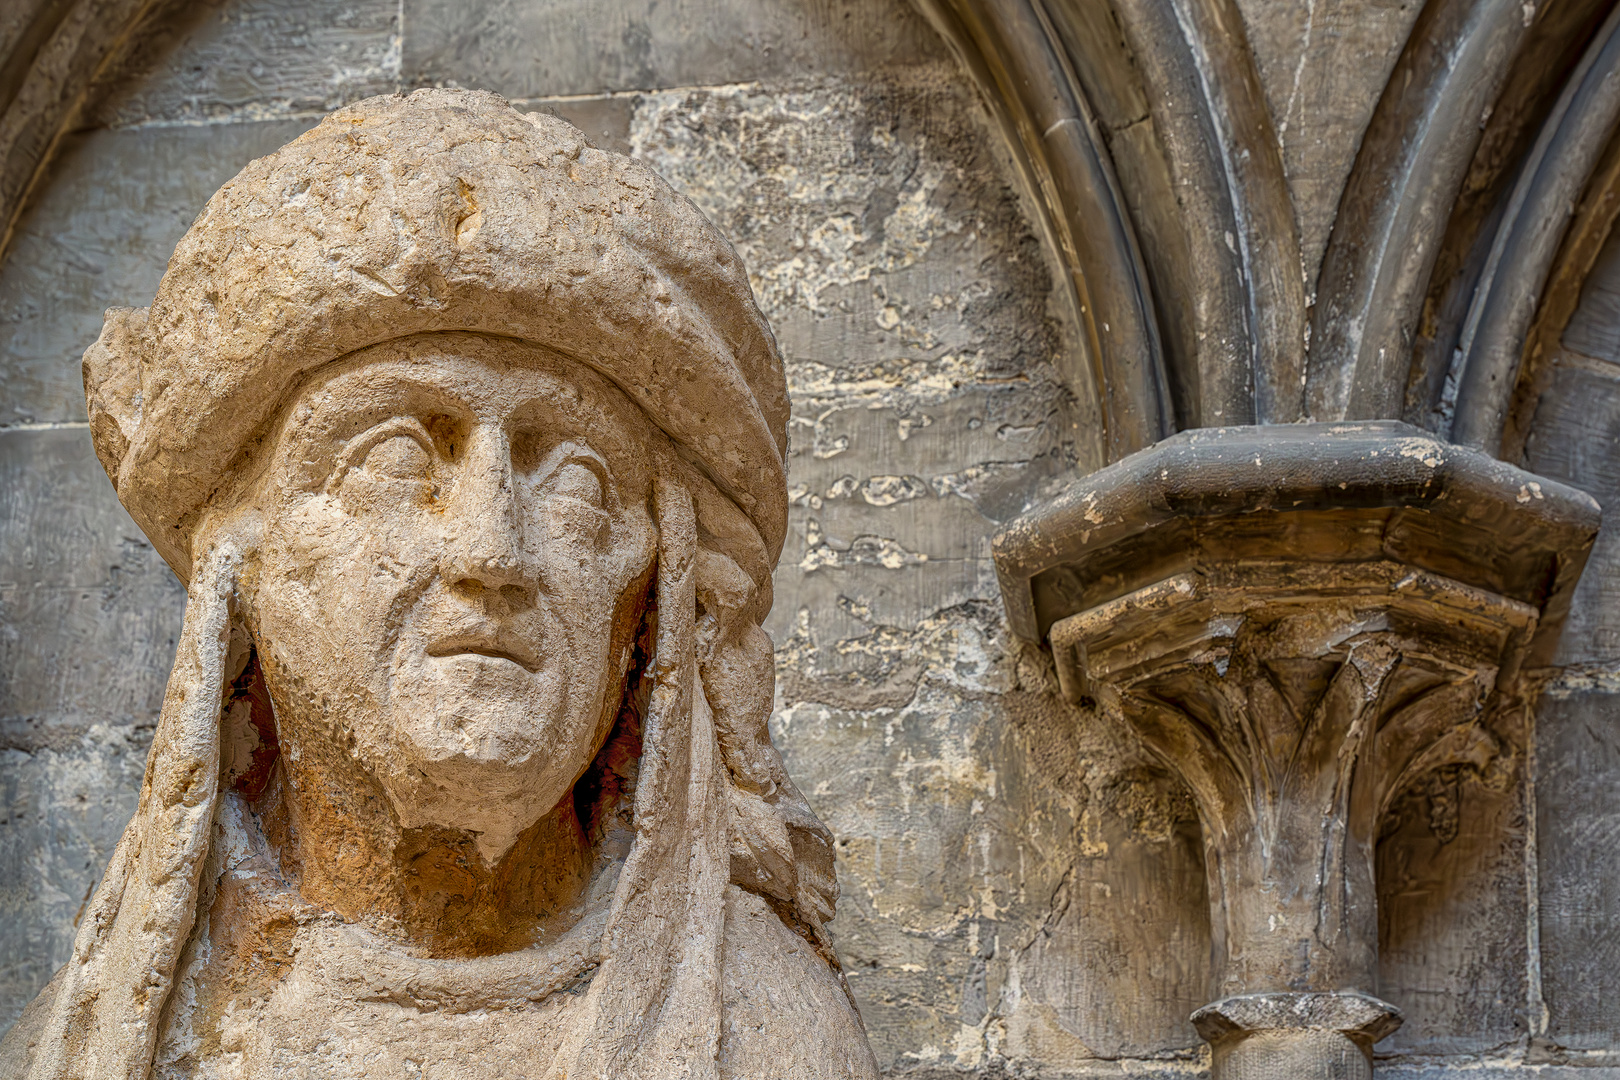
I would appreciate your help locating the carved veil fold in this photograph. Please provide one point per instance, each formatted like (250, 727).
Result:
(653, 1008)
(654, 1005)
(176, 393)
(106, 1012)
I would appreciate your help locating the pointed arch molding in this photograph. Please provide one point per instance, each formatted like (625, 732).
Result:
(1536, 222)
(52, 54)
(1142, 129)
(1013, 52)
(1471, 189)
(1485, 137)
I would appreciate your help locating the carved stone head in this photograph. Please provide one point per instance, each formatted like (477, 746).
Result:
(468, 439)
(455, 538)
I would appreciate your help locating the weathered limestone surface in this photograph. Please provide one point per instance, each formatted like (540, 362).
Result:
(1580, 760)
(1576, 437)
(1452, 910)
(890, 253)
(463, 765)
(1011, 868)
(90, 612)
(82, 563)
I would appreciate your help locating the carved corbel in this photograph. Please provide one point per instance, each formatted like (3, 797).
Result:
(1300, 622)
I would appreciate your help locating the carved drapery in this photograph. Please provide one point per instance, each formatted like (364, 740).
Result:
(1490, 147)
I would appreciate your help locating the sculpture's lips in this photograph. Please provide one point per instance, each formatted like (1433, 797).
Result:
(499, 648)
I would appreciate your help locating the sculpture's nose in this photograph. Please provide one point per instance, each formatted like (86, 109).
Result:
(486, 553)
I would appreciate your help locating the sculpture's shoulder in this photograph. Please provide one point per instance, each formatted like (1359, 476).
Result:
(785, 1012)
(20, 1045)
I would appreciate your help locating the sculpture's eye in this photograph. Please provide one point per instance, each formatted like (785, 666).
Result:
(375, 465)
(572, 486)
(398, 458)
(565, 469)
(576, 480)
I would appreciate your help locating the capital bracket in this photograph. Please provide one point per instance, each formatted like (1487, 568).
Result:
(1299, 622)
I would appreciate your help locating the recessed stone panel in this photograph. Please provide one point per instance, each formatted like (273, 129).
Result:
(1578, 796)
(1574, 438)
(535, 48)
(100, 235)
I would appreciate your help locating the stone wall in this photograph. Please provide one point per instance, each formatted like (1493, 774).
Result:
(854, 169)
(1575, 437)
(1022, 889)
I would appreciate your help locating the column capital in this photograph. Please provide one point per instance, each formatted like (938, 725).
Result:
(1360, 1017)
(1300, 622)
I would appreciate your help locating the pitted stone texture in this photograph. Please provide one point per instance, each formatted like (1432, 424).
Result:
(465, 745)
(981, 822)
(442, 211)
(991, 836)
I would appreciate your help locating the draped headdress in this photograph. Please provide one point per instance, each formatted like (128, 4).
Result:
(451, 211)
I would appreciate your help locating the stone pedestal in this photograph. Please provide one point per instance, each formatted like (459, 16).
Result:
(1288, 1036)
(1300, 622)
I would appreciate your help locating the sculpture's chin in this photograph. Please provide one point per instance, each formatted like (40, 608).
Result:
(481, 745)
(493, 800)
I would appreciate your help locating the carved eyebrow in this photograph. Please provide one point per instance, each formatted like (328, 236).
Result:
(355, 450)
(571, 450)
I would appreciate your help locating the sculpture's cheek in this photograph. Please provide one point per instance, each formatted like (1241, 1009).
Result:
(571, 533)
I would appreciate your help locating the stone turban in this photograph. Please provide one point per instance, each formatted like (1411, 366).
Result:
(443, 210)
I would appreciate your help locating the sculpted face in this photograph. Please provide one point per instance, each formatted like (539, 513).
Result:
(455, 545)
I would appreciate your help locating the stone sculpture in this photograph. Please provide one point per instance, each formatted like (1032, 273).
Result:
(1300, 622)
(468, 439)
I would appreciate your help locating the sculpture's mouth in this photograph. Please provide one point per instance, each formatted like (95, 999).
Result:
(495, 647)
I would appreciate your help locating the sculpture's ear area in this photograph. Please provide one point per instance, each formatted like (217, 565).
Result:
(112, 385)
(248, 740)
